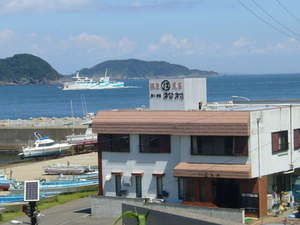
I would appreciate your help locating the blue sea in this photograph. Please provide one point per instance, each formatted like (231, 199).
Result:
(50, 101)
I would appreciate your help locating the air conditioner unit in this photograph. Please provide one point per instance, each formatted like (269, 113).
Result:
(126, 181)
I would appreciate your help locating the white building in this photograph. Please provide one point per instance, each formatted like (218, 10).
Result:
(221, 155)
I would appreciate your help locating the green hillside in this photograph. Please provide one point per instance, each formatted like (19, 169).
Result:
(26, 69)
(134, 68)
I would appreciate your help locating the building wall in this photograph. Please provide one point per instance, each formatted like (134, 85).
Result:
(263, 161)
(148, 163)
(151, 163)
(193, 90)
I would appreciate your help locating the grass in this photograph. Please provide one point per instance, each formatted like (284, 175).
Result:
(249, 220)
(11, 212)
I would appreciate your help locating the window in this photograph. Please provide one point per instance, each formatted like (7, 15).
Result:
(118, 184)
(219, 145)
(297, 139)
(193, 189)
(114, 142)
(138, 186)
(159, 186)
(180, 188)
(279, 141)
(155, 143)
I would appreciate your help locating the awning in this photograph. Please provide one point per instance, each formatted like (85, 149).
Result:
(137, 173)
(238, 171)
(208, 123)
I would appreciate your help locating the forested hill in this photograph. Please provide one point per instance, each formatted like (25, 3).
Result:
(134, 68)
(26, 69)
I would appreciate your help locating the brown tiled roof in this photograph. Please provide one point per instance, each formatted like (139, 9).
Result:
(239, 171)
(221, 123)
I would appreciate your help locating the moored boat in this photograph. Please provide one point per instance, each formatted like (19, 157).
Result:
(88, 138)
(5, 183)
(58, 186)
(44, 146)
(66, 169)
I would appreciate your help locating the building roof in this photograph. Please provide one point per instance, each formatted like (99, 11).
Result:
(238, 171)
(217, 123)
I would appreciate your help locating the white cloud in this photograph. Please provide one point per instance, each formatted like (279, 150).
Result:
(85, 40)
(169, 41)
(165, 4)
(288, 45)
(242, 42)
(14, 6)
(6, 35)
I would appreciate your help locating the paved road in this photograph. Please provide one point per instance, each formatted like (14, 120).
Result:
(73, 213)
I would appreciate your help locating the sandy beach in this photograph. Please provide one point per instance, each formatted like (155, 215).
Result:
(34, 170)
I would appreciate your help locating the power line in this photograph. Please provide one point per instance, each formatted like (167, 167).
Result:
(283, 32)
(274, 19)
(288, 11)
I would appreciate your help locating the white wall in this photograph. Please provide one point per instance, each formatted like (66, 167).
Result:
(193, 89)
(273, 120)
(148, 163)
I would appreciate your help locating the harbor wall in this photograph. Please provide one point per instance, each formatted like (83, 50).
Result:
(11, 139)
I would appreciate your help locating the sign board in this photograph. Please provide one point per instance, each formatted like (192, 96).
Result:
(31, 191)
(177, 94)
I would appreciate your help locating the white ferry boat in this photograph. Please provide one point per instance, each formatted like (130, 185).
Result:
(44, 146)
(82, 83)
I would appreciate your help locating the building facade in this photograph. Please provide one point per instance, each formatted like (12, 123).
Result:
(223, 155)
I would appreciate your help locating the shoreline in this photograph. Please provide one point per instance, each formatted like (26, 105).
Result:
(33, 170)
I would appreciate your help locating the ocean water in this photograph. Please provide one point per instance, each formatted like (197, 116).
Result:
(49, 101)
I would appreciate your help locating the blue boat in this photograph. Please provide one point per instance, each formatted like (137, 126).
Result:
(61, 186)
(19, 198)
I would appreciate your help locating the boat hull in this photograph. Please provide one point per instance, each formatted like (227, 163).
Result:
(46, 151)
(63, 188)
(104, 85)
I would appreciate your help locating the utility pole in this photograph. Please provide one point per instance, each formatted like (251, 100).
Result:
(32, 196)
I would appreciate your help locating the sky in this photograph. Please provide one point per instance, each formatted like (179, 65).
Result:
(223, 36)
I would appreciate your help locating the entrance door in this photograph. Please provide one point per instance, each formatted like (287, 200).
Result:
(227, 193)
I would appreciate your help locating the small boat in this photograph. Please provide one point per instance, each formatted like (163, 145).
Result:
(66, 169)
(19, 198)
(86, 83)
(58, 186)
(88, 138)
(44, 146)
(5, 183)
(88, 175)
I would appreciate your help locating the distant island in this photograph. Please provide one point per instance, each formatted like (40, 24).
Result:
(139, 69)
(22, 69)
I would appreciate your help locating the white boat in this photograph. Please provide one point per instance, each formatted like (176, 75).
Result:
(83, 83)
(66, 169)
(88, 138)
(44, 146)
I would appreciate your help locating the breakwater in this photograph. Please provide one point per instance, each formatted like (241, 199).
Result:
(16, 133)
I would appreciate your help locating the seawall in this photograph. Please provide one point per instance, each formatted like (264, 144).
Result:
(12, 139)
(16, 133)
